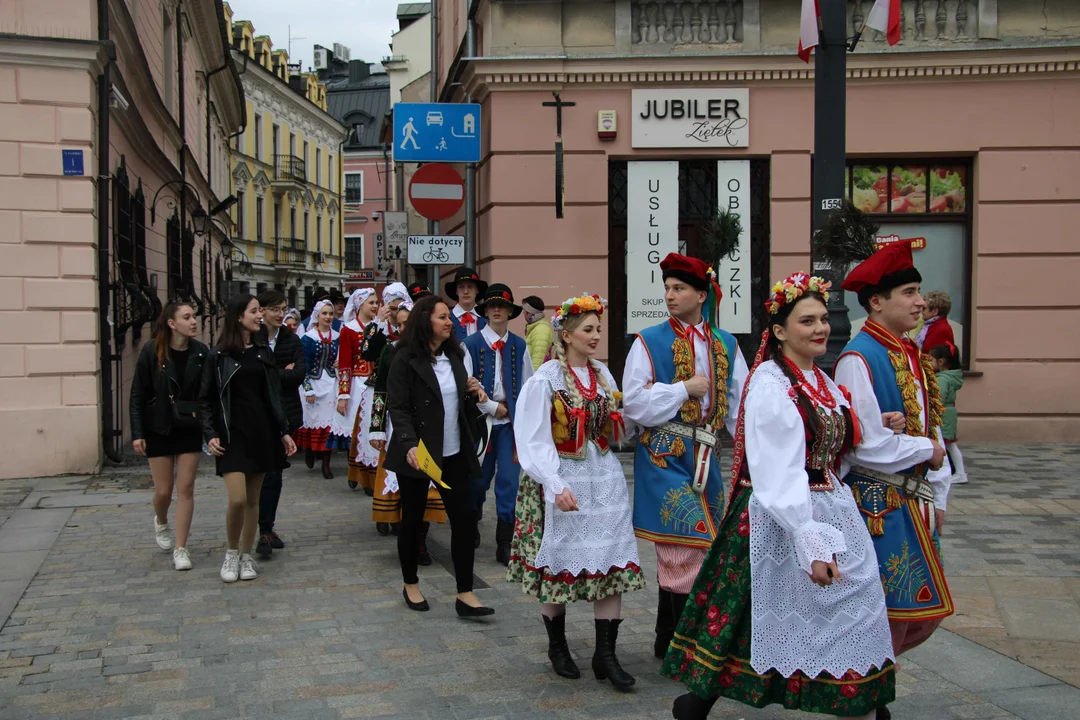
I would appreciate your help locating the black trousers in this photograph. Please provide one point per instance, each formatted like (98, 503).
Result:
(268, 501)
(458, 502)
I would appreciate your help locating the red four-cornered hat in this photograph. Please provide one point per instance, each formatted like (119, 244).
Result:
(692, 271)
(889, 267)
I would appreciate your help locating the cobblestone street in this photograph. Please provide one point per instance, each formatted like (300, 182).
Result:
(101, 626)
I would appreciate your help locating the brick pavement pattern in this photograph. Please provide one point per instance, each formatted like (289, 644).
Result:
(107, 629)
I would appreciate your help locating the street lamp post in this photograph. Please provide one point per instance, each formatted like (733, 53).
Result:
(830, 162)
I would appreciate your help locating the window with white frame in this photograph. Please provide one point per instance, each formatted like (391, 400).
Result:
(354, 252)
(354, 187)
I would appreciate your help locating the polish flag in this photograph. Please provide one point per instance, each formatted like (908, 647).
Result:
(808, 28)
(885, 17)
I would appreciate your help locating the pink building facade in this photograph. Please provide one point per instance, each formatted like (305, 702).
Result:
(366, 191)
(67, 358)
(971, 149)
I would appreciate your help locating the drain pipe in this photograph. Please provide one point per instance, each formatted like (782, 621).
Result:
(470, 168)
(104, 179)
(181, 96)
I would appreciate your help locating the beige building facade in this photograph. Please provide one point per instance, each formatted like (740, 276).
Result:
(962, 137)
(88, 142)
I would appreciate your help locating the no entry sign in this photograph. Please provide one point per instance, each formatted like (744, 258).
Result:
(436, 191)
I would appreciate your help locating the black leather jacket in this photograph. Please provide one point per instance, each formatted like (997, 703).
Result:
(150, 408)
(215, 404)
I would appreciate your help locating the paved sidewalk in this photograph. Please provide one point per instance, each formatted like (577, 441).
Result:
(102, 627)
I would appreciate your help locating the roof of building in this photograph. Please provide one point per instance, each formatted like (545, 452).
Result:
(365, 103)
(408, 9)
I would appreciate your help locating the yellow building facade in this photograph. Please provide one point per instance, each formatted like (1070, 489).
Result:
(287, 175)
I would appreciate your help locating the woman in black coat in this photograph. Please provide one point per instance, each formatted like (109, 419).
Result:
(244, 425)
(432, 399)
(164, 420)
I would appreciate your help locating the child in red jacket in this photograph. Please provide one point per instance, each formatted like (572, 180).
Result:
(936, 329)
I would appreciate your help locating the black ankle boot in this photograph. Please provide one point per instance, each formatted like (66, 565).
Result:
(422, 556)
(691, 707)
(562, 662)
(326, 466)
(665, 628)
(604, 663)
(309, 457)
(504, 535)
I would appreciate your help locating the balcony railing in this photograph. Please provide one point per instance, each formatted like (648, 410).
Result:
(289, 167)
(290, 251)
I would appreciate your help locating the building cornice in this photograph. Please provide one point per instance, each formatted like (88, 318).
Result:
(484, 75)
(89, 55)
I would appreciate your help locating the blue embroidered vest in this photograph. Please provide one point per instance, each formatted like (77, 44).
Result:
(481, 323)
(514, 354)
(666, 508)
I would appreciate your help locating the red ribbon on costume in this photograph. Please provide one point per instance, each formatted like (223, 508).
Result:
(468, 319)
(618, 427)
(498, 346)
(579, 417)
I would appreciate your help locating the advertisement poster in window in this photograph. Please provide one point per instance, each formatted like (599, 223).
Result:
(939, 253)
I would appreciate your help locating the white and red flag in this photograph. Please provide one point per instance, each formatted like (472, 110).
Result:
(808, 28)
(885, 17)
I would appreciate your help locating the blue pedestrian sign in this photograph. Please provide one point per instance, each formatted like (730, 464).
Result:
(437, 132)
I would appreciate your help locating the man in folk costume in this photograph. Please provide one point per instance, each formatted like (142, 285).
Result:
(885, 372)
(682, 383)
(500, 360)
(465, 288)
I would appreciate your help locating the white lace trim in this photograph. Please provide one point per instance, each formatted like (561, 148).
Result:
(798, 626)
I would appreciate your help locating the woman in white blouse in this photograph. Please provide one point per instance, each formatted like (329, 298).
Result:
(788, 606)
(574, 535)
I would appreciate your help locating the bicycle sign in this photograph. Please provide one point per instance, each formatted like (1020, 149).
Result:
(436, 249)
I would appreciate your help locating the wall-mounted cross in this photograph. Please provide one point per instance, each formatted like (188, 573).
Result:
(558, 104)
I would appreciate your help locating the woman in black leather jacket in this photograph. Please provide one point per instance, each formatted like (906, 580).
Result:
(164, 420)
(244, 425)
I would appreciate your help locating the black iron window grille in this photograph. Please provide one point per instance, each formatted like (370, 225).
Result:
(175, 281)
(354, 253)
(133, 303)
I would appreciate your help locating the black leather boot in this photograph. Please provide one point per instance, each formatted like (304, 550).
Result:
(665, 628)
(678, 602)
(562, 662)
(326, 466)
(604, 663)
(883, 713)
(691, 707)
(309, 457)
(423, 558)
(504, 535)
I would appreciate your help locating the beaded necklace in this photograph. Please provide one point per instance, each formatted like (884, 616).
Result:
(587, 393)
(820, 394)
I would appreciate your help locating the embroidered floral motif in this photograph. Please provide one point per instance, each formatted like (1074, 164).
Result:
(906, 576)
(662, 445)
(721, 368)
(683, 358)
(682, 511)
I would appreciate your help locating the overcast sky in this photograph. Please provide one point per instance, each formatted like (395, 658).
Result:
(365, 26)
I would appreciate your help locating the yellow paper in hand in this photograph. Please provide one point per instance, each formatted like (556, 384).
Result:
(429, 466)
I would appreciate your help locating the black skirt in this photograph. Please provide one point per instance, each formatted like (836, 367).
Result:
(178, 442)
(254, 443)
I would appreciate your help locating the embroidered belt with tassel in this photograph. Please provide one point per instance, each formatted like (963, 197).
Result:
(704, 439)
(911, 487)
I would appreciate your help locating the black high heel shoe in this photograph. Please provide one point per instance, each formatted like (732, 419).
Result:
(421, 606)
(464, 610)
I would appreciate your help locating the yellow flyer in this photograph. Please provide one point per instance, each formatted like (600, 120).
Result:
(429, 466)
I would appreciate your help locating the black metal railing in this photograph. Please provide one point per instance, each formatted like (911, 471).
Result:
(290, 251)
(289, 167)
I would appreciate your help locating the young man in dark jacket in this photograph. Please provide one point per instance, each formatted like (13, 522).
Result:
(289, 355)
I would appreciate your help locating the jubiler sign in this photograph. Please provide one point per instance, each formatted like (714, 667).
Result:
(690, 118)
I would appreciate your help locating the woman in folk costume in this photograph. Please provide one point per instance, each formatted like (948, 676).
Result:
(319, 389)
(386, 503)
(354, 390)
(788, 606)
(574, 535)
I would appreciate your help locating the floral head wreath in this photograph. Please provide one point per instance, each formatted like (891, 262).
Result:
(794, 287)
(577, 306)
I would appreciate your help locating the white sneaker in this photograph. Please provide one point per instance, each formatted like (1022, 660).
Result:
(959, 479)
(248, 568)
(230, 569)
(161, 535)
(180, 559)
